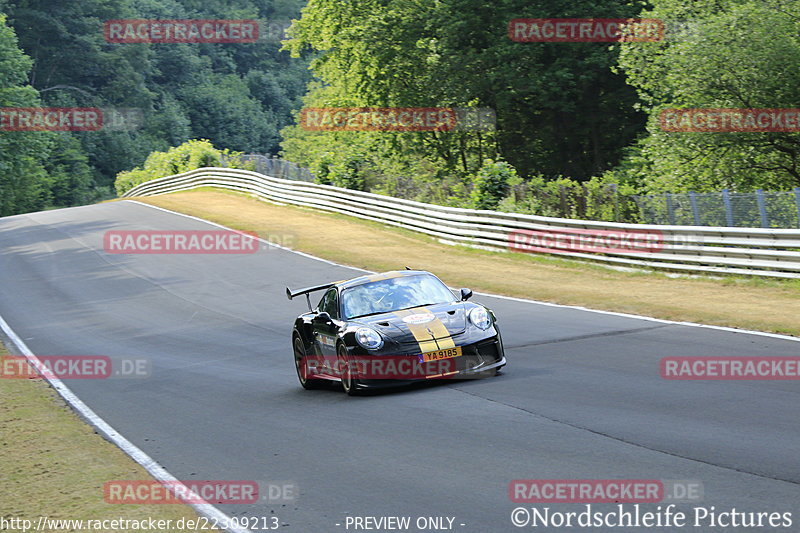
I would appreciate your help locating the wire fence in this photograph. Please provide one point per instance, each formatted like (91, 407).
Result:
(574, 201)
(757, 209)
(276, 167)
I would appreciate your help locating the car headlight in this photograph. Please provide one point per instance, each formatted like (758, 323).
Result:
(369, 338)
(480, 317)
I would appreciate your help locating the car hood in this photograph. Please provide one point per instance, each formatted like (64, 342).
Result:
(437, 321)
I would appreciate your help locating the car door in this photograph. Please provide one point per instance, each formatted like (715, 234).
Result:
(325, 325)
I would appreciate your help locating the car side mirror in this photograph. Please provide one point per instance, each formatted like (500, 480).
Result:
(323, 317)
(466, 294)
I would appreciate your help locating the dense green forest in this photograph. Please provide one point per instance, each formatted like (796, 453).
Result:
(566, 113)
(54, 54)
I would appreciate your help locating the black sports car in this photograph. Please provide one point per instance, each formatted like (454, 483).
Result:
(390, 329)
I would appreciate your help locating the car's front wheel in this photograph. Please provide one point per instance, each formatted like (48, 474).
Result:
(302, 368)
(350, 381)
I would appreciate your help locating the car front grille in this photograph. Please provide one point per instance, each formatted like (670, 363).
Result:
(479, 354)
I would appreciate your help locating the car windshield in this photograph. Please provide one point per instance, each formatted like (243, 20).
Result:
(393, 294)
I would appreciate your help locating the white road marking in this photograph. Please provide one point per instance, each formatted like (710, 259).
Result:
(134, 452)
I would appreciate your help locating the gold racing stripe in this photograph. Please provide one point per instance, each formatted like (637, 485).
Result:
(421, 333)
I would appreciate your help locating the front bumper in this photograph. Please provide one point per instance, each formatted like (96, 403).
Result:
(478, 360)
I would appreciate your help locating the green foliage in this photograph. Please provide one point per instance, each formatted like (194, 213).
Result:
(608, 199)
(348, 173)
(560, 109)
(188, 156)
(14, 64)
(491, 184)
(236, 95)
(225, 110)
(23, 185)
(68, 173)
(603, 197)
(577, 123)
(725, 54)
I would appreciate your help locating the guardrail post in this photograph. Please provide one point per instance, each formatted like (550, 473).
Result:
(797, 201)
(726, 199)
(762, 208)
(670, 209)
(695, 213)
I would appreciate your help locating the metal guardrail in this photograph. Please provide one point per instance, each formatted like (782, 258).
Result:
(691, 249)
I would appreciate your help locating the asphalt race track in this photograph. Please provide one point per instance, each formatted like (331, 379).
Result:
(581, 397)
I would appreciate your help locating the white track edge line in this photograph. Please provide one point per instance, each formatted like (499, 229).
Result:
(512, 298)
(157, 471)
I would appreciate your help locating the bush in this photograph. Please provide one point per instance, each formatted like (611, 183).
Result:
(491, 184)
(195, 153)
(322, 168)
(347, 169)
(601, 198)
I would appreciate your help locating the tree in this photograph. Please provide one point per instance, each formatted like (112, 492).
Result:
(492, 183)
(229, 116)
(182, 90)
(720, 54)
(560, 109)
(22, 177)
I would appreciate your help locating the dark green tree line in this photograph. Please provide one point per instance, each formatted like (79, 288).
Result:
(236, 95)
(22, 174)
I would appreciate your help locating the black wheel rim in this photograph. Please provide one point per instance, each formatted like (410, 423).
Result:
(299, 353)
(347, 378)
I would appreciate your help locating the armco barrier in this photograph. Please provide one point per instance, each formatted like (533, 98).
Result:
(691, 249)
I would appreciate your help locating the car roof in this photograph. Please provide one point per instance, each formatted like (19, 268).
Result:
(346, 284)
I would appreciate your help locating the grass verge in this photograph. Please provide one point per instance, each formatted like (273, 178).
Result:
(735, 301)
(54, 465)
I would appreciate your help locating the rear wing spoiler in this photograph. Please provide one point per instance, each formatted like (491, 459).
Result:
(291, 294)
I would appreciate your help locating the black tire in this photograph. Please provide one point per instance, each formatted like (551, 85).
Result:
(299, 354)
(350, 381)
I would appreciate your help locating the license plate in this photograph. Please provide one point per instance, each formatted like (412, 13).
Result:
(438, 355)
